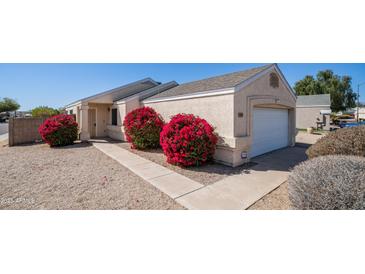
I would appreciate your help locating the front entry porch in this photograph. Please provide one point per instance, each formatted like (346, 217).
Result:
(93, 120)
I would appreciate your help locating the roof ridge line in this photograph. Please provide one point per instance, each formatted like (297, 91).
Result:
(221, 75)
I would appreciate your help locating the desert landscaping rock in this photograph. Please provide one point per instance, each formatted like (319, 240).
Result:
(73, 177)
(275, 200)
(206, 174)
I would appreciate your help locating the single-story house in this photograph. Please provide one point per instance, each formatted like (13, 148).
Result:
(313, 111)
(253, 111)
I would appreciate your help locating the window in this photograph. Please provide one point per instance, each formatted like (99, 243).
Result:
(114, 117)
(71, 111)
(274, 80)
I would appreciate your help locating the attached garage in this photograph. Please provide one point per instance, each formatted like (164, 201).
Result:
(270, 130)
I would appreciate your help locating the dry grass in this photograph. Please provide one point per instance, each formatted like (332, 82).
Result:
(74, 177)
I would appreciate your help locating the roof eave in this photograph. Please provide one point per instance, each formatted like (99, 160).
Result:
(98, 95)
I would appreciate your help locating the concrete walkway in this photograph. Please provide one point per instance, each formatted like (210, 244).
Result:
(166, 180)
(234, 192)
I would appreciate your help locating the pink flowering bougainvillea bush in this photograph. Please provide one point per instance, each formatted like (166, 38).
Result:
(142, 128)
(188, 140)
(59, 130)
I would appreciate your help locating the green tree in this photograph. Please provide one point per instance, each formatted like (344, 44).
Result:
(8, 104)
(44, 111)
(326, 82)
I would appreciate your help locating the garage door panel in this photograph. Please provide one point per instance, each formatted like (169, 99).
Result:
(269, 131)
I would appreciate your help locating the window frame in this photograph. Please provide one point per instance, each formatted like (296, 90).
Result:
(114, 120)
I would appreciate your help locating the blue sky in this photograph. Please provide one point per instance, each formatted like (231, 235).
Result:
(55, 85)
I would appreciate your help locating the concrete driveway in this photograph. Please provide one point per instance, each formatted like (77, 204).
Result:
(243, 190)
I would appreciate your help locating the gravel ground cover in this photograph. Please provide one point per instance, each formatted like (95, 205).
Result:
(206, 174)
(74, 177)
(275, 200)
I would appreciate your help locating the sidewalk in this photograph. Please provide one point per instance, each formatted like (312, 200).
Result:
(164, 179)
(234, 192)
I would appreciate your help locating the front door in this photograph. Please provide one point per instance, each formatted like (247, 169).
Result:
(92, 123)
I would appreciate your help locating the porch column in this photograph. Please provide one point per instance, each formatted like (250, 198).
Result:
(84, 119)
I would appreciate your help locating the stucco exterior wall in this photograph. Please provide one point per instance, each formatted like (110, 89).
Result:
(117, 132)
(102, 118)
(259, 94)
(217, 110)
(307, 116)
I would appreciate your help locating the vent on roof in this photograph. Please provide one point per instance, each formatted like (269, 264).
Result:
(274, 80)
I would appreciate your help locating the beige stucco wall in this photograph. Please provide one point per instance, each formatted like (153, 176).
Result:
(102, 118)
(307, 116)
(117, 132)
(259, 94)
(217, 110)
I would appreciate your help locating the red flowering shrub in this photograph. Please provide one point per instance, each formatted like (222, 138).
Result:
(142, 128)
(59, 130)
(188, 140)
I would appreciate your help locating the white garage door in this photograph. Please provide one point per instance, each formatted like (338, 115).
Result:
(269, 130)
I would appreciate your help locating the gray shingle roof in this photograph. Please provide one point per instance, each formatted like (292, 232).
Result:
(213, 83)
(314, 100)
(122, 91)
(150, 92)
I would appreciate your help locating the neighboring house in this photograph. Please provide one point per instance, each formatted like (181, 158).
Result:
(253, 111)
(361, 113)
(313, 109)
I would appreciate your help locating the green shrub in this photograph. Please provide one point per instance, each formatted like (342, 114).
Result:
(59, 130)
(344, 141)
(142, 128)
(328, 182)
(44, 111)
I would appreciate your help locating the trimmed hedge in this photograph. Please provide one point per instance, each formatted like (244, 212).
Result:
(142, 128)
(188, 140)
(59, 130)
(344, 141)
(328, 182)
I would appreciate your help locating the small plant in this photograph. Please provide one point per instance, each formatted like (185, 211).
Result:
(188, 140)
(59, 130)
(328, 182)
(142, 128)
(344, 141)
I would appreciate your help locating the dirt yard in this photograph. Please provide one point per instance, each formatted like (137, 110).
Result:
(206, 174)
(275, 200)
(74, 177)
